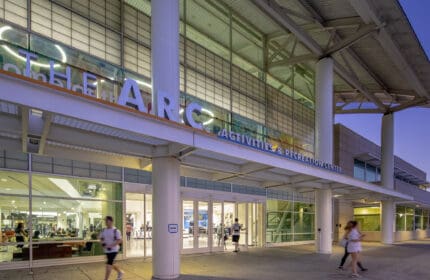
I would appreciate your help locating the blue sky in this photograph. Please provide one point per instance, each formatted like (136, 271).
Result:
(412, 126)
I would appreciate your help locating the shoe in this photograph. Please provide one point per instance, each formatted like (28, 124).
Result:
(364, 269)
(355, 275)
(340, 268)
(120, 274)
(235, 251)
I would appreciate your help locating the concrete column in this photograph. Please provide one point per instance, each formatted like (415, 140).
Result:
(387, 151)
(387, 177)
(324, 110)
(165, 58)
(166, 211)
(387, 217)
(324, 151)
(324, 223)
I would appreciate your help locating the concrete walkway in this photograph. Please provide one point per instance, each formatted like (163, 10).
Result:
(410, 260)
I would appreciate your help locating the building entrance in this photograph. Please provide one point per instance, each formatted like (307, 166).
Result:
(138, 224)
(206, 225)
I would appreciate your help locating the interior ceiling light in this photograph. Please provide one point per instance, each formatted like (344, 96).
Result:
(15, 54)
(142, 83)
(65, 186)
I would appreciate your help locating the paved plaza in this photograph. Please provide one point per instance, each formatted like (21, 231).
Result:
(409, 260)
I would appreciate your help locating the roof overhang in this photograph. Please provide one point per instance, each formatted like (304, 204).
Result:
(85, 128)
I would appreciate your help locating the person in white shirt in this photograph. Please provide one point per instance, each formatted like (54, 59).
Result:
(110, 238)
(354, 246)
(236, 227)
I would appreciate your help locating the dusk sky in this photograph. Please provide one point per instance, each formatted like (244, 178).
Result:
(412, 126)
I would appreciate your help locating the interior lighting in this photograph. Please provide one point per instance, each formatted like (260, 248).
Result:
(65, 186)
(210, 113)
(142, 83)
(3, 179)
(15, 54)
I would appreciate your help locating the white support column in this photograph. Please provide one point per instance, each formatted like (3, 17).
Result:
(324, 110)
(387, 227)
(387, 177)
(165, 170)
(324, 151)
(165, 58)
(166, 211)
(324, 223)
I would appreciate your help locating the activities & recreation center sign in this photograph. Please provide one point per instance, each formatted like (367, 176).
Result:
(130, 96)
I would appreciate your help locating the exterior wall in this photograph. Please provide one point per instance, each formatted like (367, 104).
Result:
(418, 194)
(373, 236)
(343, 212)
(349, 144)
(411, 235)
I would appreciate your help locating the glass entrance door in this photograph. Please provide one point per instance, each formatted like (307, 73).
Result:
(202, 232)
(218, 227)
(196, 225)
(134, 218)
(229, 215)
(207, 226)
(138, 224)
(255, 224)
(188, 224)
(242, 214)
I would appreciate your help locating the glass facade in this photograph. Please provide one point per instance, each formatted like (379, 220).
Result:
(59, 206)
(289, 221)
(369, 218)
(410, 218)
(224, 72)
(51, 216)
(366, 172)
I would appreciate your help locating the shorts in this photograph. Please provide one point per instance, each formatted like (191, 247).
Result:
(236, 238)
(353, 247)
(111, 257)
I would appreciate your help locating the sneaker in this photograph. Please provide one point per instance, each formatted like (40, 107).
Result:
(120, 274)
(355, 275)
(364, 269)
(340, 268)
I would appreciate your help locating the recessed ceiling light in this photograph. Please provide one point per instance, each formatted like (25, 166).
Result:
(8, 189)
(44, 202)
(3, 179)
(13, 201)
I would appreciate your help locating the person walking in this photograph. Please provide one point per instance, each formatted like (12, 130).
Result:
(220, 233)
(344, 243)
(20, 235)
(236, 227)
(354, 247)
(110, 238)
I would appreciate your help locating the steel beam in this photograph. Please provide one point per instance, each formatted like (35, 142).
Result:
(368, 14)
(24, 128)
(276, 12)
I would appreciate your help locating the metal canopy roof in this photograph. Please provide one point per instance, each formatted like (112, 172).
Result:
(379, 63)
